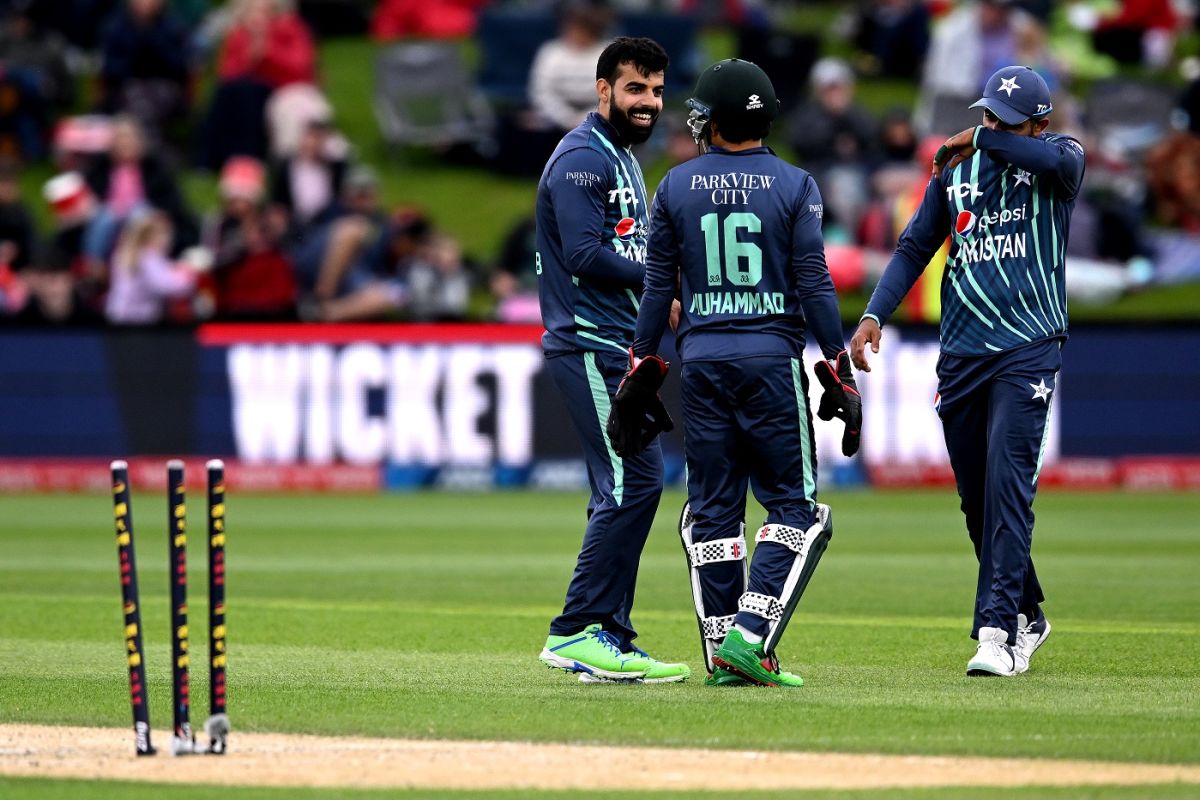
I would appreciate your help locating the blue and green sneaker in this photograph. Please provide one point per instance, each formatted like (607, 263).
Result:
(594, 653)
(750, 662)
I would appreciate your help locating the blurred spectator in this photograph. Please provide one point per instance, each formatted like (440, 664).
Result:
(337, 251)
(129, 178)
(266, 47)
(1173, 172)
(143, 277)
(969, 44)
(17, 232)
(413, 268)
(514, 281)
(562, 80)
(252, 277)
(268, 44)
(1138, 32)
(40, 53)
(894, 36)
(80, 22)
(78, 140)
(146, 64)
(73, 207)
(288, 112)
(834, 139)
(433, 19)
(307, 184)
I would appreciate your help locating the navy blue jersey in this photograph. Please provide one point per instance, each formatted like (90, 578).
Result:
(1007, 210)
(591, 241)
(741, 234)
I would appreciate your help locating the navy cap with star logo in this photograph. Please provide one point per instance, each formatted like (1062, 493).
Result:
(1014, 94)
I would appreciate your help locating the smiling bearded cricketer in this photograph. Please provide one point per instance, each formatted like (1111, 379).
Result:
(591, 218)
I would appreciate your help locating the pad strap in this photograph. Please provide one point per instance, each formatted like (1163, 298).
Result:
(763, 605)
(717, 550)
(716, 627)
(789, 537)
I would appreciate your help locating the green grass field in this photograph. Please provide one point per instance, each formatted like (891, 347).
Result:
(421, 615)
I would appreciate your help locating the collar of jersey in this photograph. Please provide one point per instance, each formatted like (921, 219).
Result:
(750, 152)
(607, 127)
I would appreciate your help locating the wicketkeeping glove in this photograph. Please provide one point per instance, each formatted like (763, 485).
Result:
(638, 413)
(841, 399)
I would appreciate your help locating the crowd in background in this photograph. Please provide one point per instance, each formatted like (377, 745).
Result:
(108, 93)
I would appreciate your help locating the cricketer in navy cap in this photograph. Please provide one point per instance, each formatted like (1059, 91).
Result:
(1015, 94)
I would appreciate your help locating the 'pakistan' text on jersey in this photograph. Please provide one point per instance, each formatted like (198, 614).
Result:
(742, 231)
(591, 241)
(1008, 212)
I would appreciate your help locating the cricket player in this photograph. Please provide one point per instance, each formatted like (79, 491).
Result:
(1003, 191)
(591, 219)
(739, 232)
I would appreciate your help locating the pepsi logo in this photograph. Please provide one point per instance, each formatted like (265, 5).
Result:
(965, 223)
(626, 228)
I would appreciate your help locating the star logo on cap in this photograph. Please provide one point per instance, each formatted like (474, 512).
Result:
(1007, 85)
(1021, 176)
(1041, 391)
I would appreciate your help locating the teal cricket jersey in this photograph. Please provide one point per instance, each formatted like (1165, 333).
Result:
(1007, 210)
(591, 218)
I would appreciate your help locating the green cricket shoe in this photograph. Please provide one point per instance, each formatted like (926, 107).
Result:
(723, 677)
(661, 671)
(594, 654)
(750, 662)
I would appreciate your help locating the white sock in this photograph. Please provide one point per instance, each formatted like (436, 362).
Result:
(751, 638)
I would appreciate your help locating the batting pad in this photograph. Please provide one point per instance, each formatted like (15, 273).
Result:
(808, 545)
(712, 627)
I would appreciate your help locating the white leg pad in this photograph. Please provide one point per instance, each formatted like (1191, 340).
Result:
(712, 628)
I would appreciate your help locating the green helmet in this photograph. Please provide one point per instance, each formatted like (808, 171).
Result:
(731, 90)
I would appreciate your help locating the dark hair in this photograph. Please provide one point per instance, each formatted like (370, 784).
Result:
(646, 55)
(738, 130)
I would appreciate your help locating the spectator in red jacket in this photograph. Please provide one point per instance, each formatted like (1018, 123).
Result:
(268, 43)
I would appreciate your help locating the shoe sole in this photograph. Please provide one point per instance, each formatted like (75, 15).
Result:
(585, 677)
(571, 665)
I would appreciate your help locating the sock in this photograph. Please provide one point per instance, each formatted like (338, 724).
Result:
(749, 636)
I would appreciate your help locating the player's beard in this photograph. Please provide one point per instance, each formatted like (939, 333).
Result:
(629, 132)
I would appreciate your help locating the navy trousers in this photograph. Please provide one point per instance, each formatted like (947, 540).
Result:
(625, 495)
(995, 413)
(747, 423)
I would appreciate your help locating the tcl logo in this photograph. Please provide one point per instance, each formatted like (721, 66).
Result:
(960, 191)
(626, 195)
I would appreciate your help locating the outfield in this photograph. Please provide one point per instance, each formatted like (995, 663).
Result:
(420, 616)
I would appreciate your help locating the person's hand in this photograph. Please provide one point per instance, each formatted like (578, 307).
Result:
(954, 151)
(676, 312)
(868, 333)
(638, 413)
(841, 399)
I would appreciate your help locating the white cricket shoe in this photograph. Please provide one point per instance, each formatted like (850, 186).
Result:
(1030, 636)
(994, 657)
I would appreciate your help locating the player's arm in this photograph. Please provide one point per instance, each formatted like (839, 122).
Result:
(817, 295)
(819, 300)
(579, 186)
(920, 241)
(662, 277)
(1061, 157)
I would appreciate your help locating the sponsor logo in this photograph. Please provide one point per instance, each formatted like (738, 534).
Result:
(626, 195)
(818, 209)
(627, 228)
(965, 223)
(582, 178)
(1042, 108)
(754, 102)
(961, 191)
